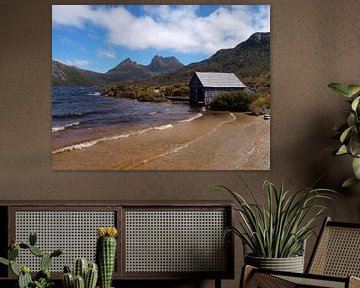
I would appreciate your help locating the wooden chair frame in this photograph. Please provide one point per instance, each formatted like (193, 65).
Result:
(255, 277)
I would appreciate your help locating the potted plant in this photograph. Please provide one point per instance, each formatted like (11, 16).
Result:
(349, 132)
(276, 233)
(84, 274)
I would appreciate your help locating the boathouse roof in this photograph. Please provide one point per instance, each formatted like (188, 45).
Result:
(216, 79)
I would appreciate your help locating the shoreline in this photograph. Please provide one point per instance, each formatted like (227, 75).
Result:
(216, 141)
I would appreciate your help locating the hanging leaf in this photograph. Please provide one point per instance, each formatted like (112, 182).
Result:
(345, 134)
(353, 89)
(349, 182)
(351, 120)
(355, 103)
(340, 88)
(354, 145)
(356, 167)
(342, 150)
(349, 133)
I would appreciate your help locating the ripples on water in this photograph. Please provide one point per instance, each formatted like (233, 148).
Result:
(81, 114)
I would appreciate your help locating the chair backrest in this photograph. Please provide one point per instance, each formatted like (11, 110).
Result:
(337, 251)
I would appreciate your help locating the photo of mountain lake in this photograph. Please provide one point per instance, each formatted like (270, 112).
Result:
(160, 87)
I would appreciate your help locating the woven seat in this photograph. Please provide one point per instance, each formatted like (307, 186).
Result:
(335, 262)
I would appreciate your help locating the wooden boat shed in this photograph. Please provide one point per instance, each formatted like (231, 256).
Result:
(204, 86)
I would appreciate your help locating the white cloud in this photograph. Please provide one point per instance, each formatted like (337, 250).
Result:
(74, 62)
(71, 15)
(106, 53)
(163, 27)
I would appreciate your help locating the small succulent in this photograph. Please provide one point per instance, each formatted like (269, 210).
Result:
(43, 283)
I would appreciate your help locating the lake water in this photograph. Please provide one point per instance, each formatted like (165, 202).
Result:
(81, 117)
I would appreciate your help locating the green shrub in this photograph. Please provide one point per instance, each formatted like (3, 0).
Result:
(126, 94)
(233, 101)
(182, 91)
(261, 104)
(147, 93)
(179, 89)
(150, 96)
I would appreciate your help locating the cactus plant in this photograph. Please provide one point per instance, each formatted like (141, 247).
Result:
(80, 268)
(36, 251)
(43, 274)
(68, 280)
(13, 253)
(42, 278)
(24, 280)
(91, 276)
(79, 282)
(45, 261)
(14, 268)
(87, 272)
(32, 238)
(105, 254)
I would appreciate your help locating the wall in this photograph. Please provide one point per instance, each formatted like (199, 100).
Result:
(313, 43)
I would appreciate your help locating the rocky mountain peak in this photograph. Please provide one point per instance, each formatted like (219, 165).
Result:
(260, 36)
(126, 64)
(257, 39)
(164, 64)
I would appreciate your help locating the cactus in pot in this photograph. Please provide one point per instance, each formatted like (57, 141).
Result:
(85, 275)
(106, 254)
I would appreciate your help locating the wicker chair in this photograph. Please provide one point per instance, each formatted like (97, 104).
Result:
(334, 263)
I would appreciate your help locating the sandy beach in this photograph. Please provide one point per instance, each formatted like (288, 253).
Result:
(216, 141)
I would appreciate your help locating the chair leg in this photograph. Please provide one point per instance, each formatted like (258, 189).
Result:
(246, 273)
(354, 282)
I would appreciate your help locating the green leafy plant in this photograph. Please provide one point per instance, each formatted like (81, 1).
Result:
(279, 229)
(261, 104)
(42, 278)
(43, 283)
(349, 132)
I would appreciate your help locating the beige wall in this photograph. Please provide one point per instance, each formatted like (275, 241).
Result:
(313, 43)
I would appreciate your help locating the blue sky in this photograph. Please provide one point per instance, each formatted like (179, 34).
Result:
(100, 37)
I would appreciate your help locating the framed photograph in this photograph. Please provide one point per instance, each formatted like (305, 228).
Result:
(161, 87)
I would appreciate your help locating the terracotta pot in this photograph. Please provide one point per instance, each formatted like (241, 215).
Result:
(291, 264)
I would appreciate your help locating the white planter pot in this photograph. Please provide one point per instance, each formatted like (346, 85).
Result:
(291, 264)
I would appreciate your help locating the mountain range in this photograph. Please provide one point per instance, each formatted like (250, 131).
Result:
(127, 70)
(247, 60)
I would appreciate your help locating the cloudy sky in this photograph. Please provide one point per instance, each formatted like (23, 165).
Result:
(99, 37)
